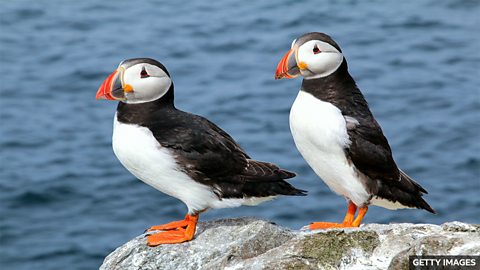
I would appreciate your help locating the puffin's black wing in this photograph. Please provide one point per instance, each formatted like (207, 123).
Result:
(211, 156)
(370, 152)
(200, 148)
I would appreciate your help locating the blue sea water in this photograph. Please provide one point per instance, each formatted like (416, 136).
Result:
(66, 202)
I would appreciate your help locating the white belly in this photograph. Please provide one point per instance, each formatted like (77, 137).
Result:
(141, 154)
(320, 134)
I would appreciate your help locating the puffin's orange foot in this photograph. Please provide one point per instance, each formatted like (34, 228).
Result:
(348, 222)
(176, 232)
(327, 225)
(168, 237)
(181, 224)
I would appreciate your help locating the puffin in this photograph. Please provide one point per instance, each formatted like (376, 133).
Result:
(338, 136)
(182, 154)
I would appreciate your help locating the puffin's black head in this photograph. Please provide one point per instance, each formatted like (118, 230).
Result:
(136, 80)
(312, 55)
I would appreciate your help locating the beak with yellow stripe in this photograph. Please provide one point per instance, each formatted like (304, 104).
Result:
(113, 88)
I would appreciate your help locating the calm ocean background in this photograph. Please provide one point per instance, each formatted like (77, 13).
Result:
(66, 202)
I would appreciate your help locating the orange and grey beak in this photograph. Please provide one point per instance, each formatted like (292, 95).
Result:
(112, 88)
(287, 68)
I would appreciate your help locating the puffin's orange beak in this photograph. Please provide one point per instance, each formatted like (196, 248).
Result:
(287, 67)
(105, 90)
(112, 88)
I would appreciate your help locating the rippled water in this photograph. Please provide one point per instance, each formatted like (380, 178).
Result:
(66, 202)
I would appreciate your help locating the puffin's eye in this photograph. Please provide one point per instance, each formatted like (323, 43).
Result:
(316, 50)
(144, 74)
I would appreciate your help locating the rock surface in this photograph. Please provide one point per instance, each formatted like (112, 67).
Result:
(247, 243)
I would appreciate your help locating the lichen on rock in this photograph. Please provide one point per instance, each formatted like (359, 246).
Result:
(327, 249)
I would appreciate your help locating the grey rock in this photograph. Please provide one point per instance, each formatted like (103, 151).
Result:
(247, 243)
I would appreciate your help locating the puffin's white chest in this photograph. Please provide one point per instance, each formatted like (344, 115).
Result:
(320, 134)
(141, 154)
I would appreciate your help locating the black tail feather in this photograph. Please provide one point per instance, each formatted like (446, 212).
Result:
(405, 191)
(260, 179)
(257, 171)
(424, 205)
(265, 189)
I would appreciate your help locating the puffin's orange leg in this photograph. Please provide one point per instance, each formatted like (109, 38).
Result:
(352, 208)
(361, 213)
(348, 221)
(171, 226)
(175, 235)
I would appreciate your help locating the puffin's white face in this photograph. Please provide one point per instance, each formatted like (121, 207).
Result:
(316, 59)
(147, 82)
(134, 82)
(313, 55)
